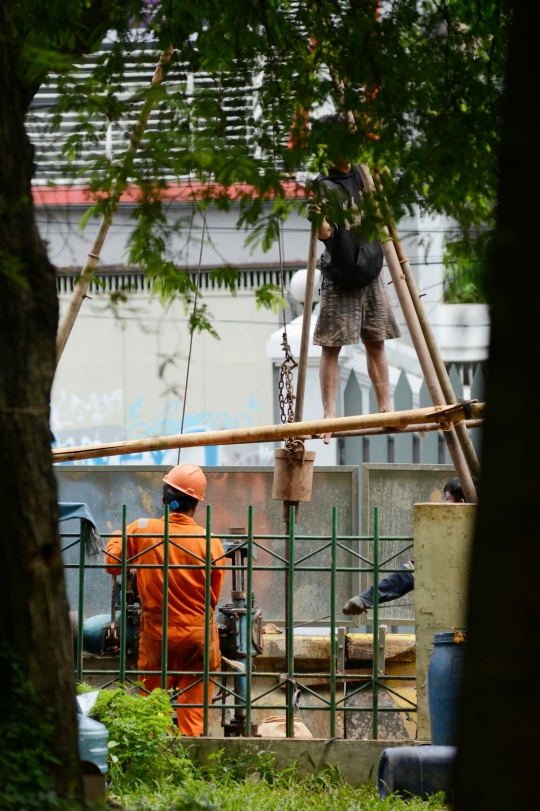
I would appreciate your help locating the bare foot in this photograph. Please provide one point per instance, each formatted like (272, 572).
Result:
(327, 437)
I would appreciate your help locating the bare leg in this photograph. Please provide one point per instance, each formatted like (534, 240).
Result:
(328, 376)
(377, 367)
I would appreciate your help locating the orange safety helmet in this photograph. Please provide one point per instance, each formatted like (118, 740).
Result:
(189, 479)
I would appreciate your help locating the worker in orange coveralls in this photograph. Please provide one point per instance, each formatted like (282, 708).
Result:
(184, 488)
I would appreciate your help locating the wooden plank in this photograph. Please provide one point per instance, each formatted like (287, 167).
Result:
(311, 653)
(399, 647)
(315, 650)
(357, 760)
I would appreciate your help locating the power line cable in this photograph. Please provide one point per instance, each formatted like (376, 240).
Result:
(192, 330)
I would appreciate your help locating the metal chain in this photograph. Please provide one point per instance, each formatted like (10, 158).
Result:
(287, 396)
(286, 388)
(286, 384)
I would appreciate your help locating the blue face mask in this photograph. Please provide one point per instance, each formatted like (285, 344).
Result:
(174, 505)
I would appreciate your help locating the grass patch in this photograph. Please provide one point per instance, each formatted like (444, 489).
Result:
(151, 771)
(298, 794)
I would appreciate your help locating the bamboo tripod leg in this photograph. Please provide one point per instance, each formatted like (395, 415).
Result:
(444, 381)
(462, 465)
(87, 272)
(433, 348)
(424, 357)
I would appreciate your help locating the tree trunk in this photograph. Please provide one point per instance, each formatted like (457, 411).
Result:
(499, 747)
(35, 644)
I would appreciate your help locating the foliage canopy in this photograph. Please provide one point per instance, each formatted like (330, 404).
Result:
(419, 85)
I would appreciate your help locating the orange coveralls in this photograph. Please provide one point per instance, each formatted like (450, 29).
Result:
(185, 647)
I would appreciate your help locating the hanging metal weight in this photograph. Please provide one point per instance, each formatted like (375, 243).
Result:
(293, 475)
(293, 465)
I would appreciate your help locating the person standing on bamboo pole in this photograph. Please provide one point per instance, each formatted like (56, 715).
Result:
(355, 304)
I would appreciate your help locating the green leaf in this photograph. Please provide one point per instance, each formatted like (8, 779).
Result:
(93, 211)
(227, 277)
(199, 321)
(269, 296)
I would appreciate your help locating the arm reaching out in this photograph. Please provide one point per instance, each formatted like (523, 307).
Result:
(392, 587)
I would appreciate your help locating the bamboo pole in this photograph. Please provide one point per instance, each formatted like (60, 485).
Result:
(306, 325)
(409, 429)
(92, 258)
(419, 343)
(433, 348)
(405, 299)
(273, 433)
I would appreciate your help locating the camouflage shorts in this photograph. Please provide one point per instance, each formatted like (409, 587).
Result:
(350, 316)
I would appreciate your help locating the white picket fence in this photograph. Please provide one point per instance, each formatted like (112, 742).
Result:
(406, 448)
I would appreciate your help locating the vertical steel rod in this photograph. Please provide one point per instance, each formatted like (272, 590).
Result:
(80, 617)
(165, 607)
(306, 325)
(290, 632)
(249, 618)
(333, 624)
(375, 677)
(207, 609)
(123, 596)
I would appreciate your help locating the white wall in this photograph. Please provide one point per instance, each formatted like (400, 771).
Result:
(224, 243)
(123, 377)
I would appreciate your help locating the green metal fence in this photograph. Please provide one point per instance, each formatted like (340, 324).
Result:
(290, 565)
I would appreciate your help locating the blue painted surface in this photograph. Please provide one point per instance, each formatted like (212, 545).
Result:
(103, 422)
(93, 747)
(416, 770)
(93, 632)
(444, 687)
(93, 735)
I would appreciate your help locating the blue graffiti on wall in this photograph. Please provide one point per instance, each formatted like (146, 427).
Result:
(166, 422)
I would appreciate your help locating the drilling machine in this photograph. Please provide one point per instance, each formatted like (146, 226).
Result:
(233, 635)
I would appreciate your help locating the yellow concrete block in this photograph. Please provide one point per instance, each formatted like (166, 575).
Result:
(443, 535)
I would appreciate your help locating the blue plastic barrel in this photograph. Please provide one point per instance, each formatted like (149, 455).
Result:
(444, 687)
(416, 771)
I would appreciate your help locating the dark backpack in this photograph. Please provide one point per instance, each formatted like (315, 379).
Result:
(352, 263)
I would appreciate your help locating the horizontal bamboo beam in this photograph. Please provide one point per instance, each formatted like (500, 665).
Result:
(275, 433)
(409, 429)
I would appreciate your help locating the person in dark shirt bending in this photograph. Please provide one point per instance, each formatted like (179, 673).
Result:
(400, 583)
